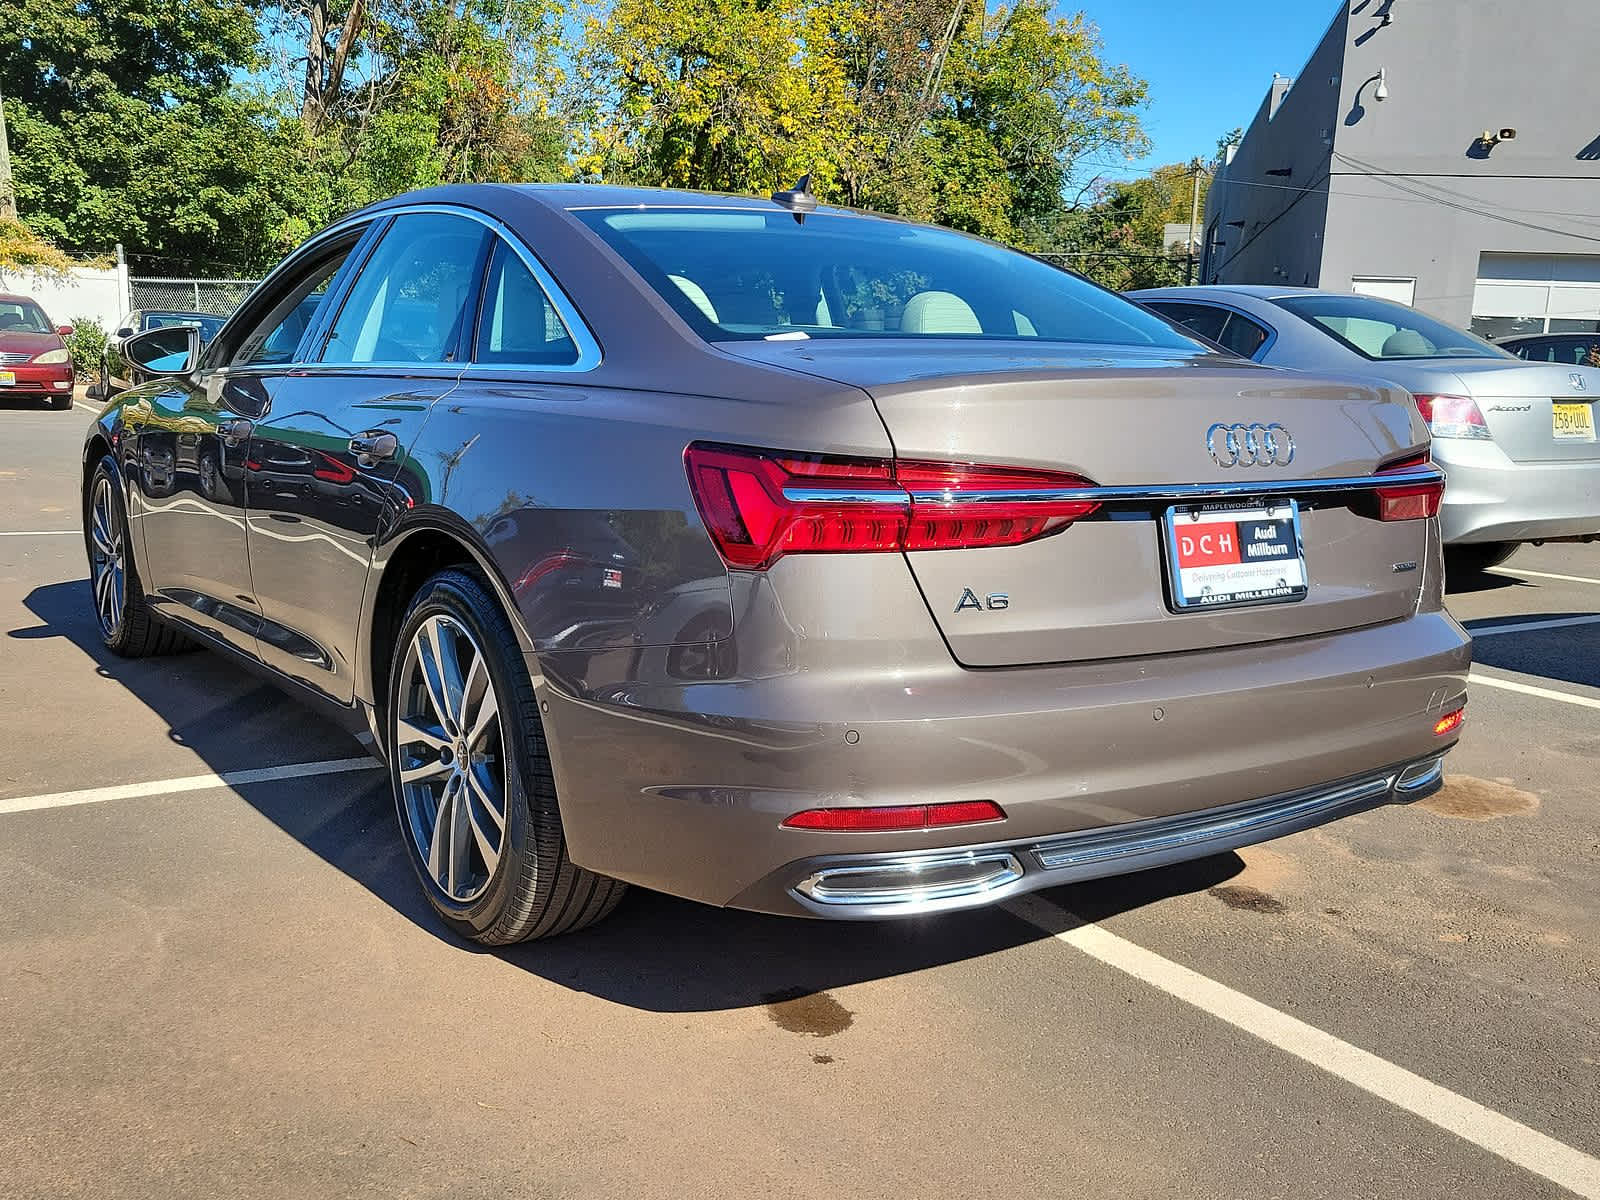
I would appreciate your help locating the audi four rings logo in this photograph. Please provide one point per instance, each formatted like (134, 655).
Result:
(1252, 445)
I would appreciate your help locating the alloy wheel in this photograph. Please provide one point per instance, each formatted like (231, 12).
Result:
(451, 757)
(107, 568)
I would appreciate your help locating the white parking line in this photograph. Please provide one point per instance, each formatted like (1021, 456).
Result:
(1528, 626)
(1543, 575)
(187, 783)
(88, 407)
(1477, 677)
(1483, 1127)
(39, 532)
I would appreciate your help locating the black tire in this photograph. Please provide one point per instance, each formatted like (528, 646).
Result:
(1477, 557)
(131, 630)
(61, 402)
(534, 890)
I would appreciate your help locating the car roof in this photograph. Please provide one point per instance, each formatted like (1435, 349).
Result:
(1529, 337)
(13, 298)
(1218, 291)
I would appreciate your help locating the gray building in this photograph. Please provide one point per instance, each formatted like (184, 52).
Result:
(1445, 153)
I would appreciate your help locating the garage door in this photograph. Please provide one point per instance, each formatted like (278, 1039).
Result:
(1530, 293)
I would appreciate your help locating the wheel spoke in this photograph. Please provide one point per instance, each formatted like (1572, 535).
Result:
(441, 674)
(431, 770)
(493, 805)
(409, 731)
(487, 707)
(101, 535)
(116, 594)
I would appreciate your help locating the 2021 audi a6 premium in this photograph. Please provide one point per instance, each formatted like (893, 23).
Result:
(778, 556)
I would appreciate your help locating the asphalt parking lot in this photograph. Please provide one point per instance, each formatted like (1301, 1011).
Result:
(217, 976)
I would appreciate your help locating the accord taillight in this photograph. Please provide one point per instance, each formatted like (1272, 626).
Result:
(762, 504)
(1453, 416)
(1410, 501)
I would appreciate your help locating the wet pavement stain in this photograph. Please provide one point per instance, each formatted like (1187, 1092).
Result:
(814, 1014)
(1250, 899)
(821, 1059)
(1472, 799)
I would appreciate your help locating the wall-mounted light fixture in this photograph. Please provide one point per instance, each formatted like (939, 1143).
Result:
(1381, 92)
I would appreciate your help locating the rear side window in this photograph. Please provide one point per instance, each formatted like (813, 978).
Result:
(1541, 350)
(518, 324)
(1202, 318)
(410, 299)
(747, 273)
(1242, 335)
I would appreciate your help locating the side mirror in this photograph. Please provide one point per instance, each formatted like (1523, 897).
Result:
(127, 331)
(64, 330)
(174, 350)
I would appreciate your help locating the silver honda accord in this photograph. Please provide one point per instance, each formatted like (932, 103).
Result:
(1516, 439)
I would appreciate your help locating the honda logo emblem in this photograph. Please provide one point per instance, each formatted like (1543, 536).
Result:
(1579, 383)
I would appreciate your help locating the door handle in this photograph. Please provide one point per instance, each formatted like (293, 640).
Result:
(374, 446)
(234, 430)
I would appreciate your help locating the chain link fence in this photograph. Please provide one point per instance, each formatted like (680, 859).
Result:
(217, 296)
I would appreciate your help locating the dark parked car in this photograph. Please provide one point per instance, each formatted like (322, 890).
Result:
(141, 320)
(778, 556)
(1568, 349)
(34, 362)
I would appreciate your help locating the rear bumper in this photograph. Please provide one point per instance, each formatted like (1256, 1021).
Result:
(1489, 498)
(874, 886)
(683, 788)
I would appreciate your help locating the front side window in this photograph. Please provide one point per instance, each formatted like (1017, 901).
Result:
(1381, 329)
(410, 300)
(273, 339)
(743, 274)
(518, 323)
(23, 316)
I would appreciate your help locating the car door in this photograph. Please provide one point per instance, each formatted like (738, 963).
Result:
(194, 454)
(328, 453)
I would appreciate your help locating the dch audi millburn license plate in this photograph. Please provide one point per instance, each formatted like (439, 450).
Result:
(1243, 554)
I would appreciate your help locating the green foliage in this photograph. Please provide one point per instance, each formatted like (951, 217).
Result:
(210, 136)
(86, 344)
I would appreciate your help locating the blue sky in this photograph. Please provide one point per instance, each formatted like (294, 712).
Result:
(1208, 66)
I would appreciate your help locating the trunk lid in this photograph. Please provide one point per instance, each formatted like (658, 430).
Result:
(1521, 403)
(1099, 589)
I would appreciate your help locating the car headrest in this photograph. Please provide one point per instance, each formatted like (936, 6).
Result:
(939, 312)
(1406, 343)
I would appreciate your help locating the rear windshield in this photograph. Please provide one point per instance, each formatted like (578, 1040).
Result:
(1382, 329)
(23, 316)
(743, 275)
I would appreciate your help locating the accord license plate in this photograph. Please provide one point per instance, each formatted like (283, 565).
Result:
(8, 378)
(1573, 422)
(1220, 556)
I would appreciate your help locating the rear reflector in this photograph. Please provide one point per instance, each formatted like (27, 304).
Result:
(1453, 416)
(759, 505)
(899, 816)
(1450, 722)
(1409, 501)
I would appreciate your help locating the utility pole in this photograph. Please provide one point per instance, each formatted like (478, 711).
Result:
(8, 191)
(1194, 218)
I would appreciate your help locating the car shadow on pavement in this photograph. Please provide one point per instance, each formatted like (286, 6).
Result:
(1466, 582)
(655, 953)
(1564, 654)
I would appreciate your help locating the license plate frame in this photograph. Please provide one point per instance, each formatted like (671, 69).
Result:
(1582, 412)
(1230, 581)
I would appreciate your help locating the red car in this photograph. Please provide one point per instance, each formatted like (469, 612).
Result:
(34, 361)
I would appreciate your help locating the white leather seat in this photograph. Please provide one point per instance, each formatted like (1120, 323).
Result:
(939, 312)
(697, 295)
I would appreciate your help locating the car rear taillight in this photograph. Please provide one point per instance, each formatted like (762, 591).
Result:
(1453, 416)
(759, 505)
(896, 816)
(1409, 501)
(1450, 722)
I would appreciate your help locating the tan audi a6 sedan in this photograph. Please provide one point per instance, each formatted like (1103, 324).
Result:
(778, 556)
